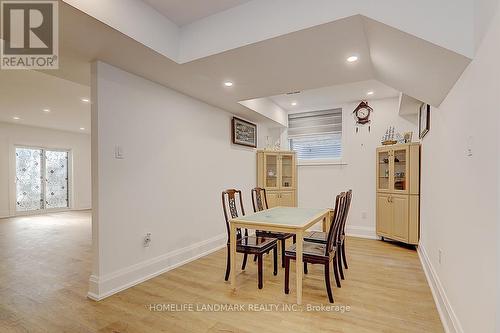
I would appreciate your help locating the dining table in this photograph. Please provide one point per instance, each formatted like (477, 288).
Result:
(293, 220)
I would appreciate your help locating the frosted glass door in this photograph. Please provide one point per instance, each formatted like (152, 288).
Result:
(29, 190)
(56, 179)
(41, 179)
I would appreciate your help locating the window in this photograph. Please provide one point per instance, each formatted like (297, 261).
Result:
(316, 135)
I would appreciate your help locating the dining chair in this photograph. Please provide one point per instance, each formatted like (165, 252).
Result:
(259, 202)
(246, 244)
(321, 237)
(317, 253)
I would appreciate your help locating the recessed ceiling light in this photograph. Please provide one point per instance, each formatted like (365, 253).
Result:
(16, 118)
(352, 58)
(228, 84)
(46, 110)
(294, 103)
(82, 128)
(370, 93)
(85, 100)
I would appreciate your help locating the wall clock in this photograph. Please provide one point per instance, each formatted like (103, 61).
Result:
(362, 114)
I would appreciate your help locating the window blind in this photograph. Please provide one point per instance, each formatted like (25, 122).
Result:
(316, 135)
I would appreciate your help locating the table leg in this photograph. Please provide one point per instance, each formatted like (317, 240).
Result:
(232, 248)
(299, 264)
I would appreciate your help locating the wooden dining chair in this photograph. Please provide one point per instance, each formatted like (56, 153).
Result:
(316, 253)
(246, 244)
(259, 202)
(321, 237)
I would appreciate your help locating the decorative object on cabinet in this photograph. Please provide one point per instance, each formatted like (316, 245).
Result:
(424, 120)
(244, 133)
(388, 138)
(362, 114)
(408, 136)
(398, 192)
(277, 173)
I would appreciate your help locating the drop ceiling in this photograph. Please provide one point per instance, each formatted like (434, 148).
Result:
(183, 12)
(25, 94)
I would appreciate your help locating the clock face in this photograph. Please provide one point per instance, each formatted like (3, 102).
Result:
(363, 113)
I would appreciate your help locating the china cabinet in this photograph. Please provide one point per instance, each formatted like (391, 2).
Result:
(398, 192)
(277, 173)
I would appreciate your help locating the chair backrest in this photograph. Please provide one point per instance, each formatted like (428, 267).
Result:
(333, 232)
(230, 208)
(259, 199)
(346, 212)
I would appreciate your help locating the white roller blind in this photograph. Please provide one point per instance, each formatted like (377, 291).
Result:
(316, 135)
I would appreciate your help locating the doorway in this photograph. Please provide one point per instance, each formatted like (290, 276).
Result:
(42, 179)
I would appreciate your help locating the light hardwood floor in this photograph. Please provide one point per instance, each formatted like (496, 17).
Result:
(45, 265)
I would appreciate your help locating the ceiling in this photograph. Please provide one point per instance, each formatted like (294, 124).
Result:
(183, 12)
(25, 94)
(334, 96)
(305, 60)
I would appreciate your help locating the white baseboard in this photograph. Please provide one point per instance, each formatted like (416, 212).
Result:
(105, 286)
(361, 232)
(449, 319)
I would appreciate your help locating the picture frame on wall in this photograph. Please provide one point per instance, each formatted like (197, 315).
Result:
(244, 133)
(424, 120)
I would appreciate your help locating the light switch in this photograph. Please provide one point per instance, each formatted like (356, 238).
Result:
(119, 152)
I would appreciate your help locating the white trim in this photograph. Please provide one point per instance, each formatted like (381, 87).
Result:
(361, 232)
(109, 284)
(449, 319)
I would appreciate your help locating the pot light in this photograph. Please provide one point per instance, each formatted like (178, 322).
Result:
(82, 128)
(46, 110)
(85, 100)
(370, 93)
(16, 118)
(294, 103)
(352, 58)
(228, 84)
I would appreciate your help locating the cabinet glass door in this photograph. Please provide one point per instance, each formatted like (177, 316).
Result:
(400, 181)
(287, 171)
(383, 170)
(271, 170)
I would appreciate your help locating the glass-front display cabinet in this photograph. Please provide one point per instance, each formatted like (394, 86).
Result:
(277, 173)
(398, 192)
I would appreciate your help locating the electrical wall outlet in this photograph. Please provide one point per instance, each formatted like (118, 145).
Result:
(147, 239)
(440, 256)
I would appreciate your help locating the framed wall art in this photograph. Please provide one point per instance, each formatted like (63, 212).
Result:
(424, 120)
(244, 133)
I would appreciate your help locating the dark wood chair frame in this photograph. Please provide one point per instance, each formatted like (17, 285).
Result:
(245, 244)
(341, 258)
(330, 249)
(259, 203)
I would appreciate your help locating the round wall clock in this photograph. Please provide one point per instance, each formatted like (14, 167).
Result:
(362, 114)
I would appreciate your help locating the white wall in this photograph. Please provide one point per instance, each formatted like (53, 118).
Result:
(459, 194)
(178, 160)
(79, 144)
(319, 184)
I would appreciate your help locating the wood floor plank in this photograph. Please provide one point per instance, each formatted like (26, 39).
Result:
(45, 263)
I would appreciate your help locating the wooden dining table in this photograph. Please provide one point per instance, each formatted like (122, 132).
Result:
(280, 219)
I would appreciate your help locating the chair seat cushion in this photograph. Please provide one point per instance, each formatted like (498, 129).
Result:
(273, 234)
(319, 237)
(316, 237)
(308, 249)
(254, 243)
